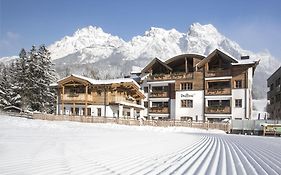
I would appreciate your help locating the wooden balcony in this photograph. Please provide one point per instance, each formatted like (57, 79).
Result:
(218, 110)
(158, 94)
(220, 91)
(218, 73)
(76, 98)
(159, 110)
(174, 76)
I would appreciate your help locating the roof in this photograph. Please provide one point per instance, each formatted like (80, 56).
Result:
(175, 58)
(156, 60)
(100, 82)
(279, 69)
(219, 52)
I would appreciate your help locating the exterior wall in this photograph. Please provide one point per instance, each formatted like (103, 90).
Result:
(274, 95)
(237, 112)
(198, 104)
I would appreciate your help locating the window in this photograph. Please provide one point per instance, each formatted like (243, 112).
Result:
(271, 87)
(186, 86)
(146, 104)
(99, 112)
(76, 111)
(238, 83)
(277, 82)
(145, 89)
(277, 97)
(160, 89)
(160, 104)
(187, 103)
(89, 111)
(238, 103)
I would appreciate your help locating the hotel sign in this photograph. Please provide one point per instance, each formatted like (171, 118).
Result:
(186, 95)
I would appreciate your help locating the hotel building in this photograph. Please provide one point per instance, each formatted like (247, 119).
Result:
(197, 87)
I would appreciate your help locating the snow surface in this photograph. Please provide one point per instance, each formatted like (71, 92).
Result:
(62, 147)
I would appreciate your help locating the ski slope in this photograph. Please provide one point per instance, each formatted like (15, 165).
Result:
(45, 147)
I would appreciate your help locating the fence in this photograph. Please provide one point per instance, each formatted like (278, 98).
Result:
(134, 122)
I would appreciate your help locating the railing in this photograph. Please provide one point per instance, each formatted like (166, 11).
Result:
(221, 91)
(157, 123)
(158, 94)
(170, 76)
(218, 73)
(159, 110)
(76, 97)
(218, 109)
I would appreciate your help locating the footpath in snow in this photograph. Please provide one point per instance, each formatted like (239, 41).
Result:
(61, 147)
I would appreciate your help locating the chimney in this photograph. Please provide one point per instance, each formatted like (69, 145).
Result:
(245, 57)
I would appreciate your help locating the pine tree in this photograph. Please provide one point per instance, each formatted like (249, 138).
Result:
(8, 97)
(33, 74)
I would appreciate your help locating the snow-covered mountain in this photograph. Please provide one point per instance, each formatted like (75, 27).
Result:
(91, 49)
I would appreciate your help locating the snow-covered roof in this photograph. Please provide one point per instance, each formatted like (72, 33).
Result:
(99, 82)
(244, 62)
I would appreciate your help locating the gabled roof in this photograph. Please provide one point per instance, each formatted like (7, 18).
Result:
(154, 61)
(175, 58)
(215, 52)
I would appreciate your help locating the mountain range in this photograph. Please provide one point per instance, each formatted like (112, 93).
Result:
(91, 50)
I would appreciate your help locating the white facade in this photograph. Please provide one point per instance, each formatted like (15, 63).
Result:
(197, 111)
(116, 111)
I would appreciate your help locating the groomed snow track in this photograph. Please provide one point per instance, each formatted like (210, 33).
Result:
(72, 148)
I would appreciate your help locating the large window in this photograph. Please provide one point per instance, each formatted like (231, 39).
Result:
(186, 86)
(160, 104)
(187, 103)
(217, 103)
(218, 85)
(160, 89)
(238, 103)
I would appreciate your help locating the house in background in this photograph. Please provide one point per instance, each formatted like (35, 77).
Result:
(197, 87)
(79, 95)
(274, 95)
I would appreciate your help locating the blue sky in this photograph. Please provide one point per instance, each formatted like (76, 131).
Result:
(254, 24)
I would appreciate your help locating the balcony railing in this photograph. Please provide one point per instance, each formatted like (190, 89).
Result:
(159, 94)
(159, 110)
(218, 73)
(76, 97)
(218, 110)
(173, 76)
(220, 91)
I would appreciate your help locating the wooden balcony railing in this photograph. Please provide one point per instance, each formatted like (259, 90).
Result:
(170, 76)
(218, 110)
(158, 94)
(218, 73)
(221, 91)
(159, 110)
(76, 97)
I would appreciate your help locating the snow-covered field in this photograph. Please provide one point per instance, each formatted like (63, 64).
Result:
(44, 147)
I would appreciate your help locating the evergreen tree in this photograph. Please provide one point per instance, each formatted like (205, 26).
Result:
(8, 97)
(33, 74)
